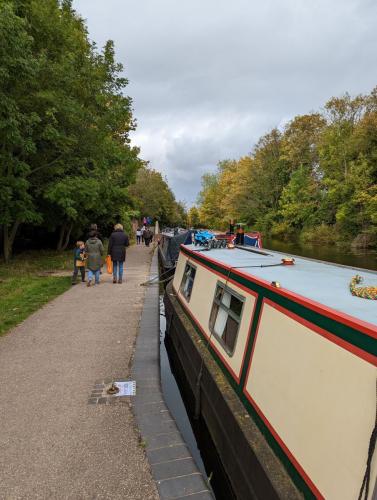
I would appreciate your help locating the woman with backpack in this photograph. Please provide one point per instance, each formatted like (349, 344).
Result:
(94, 252)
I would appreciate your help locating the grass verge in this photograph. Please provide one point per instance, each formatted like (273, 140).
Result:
(25, 284)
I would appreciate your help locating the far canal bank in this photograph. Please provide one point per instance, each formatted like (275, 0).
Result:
(366, 259)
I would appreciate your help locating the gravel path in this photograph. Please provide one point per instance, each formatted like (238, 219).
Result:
(53, 444)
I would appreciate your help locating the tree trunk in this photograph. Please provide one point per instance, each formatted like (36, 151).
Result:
(59, 246)
(67, 236)
(6, 249)
(8, 239)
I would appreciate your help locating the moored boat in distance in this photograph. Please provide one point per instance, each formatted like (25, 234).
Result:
(168, 248)
(280, 361)
(171, 238)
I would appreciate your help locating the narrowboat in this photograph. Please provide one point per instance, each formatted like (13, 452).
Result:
(280, 361)
(168, 247)
(170, 240)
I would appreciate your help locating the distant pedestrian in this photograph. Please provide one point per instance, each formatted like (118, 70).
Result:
(240, 236)
(148, 235)
(142, 233)
(117, 250)
(79, 257)
(94, 251)
(138, 236)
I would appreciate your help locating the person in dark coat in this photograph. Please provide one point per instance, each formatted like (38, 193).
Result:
(148, 235)
(117, 250)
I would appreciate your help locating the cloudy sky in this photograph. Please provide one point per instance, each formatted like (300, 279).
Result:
(209, 77)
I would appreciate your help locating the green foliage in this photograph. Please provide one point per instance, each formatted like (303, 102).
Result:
(300, 199)
(322, 234)
(211, 208)
(126, 216)
(193, 218)
(65, 120)
(152, 197)
(317, 177)
(18, 72)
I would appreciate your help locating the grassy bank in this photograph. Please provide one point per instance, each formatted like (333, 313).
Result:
(26, 284)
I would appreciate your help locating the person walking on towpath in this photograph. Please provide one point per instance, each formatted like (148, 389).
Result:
(148, 235)
(94, 229)
(142, 233)
(117, 250)
(94, 250)
(79, 258)
(138, 235)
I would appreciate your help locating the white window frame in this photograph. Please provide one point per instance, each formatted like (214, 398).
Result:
(185, 279)
(225, 309)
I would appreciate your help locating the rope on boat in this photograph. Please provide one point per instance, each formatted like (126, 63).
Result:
(153, 282)
(259, 265)
(150, 282)
(365, 292)
(372, 444)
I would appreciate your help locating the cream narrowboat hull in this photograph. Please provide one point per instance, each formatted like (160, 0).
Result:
(287, 384)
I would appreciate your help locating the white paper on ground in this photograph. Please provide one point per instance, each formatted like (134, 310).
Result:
(126, 388)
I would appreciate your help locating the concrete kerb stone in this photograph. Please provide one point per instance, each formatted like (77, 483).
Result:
(182, 486)
(173, 467)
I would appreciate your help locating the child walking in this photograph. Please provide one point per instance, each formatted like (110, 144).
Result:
(79, 262)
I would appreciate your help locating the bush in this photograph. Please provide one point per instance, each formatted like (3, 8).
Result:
(366, 239)
(323, 234)
(282, 230)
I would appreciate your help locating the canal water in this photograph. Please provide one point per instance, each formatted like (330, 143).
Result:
(173, 397)
(366, 259)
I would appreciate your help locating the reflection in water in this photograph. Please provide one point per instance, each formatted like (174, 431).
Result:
(366, 259)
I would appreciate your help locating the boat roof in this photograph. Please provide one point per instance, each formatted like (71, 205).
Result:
(323, 282)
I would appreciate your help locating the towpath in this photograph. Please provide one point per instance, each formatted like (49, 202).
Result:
(53, 443)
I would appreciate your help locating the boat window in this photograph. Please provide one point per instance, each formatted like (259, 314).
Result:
(225, 316)
(188, 281)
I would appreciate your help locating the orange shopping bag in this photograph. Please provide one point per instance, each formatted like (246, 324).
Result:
(109, 264)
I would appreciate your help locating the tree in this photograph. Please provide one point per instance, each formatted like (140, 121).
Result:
(269, 175)
(300, 140)
(209, 199)
(65, 119)
(153, 197)
(299, 201)
(320, 170)
(18, 72)
(193, 217)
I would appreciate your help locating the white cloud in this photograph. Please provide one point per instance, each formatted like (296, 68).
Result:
(209, 77)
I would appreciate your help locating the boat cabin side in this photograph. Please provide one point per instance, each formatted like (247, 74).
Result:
(307, 379)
